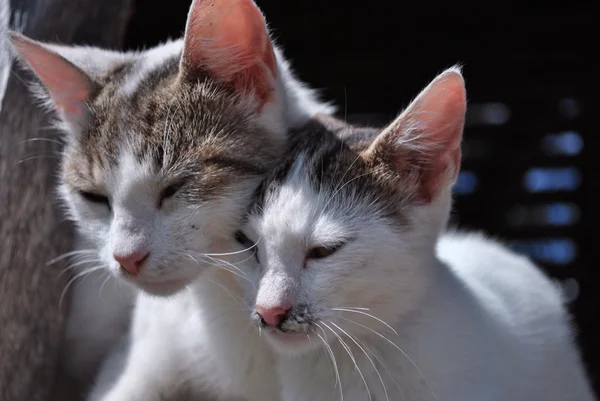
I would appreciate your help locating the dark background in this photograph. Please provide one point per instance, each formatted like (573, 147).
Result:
(530, 151)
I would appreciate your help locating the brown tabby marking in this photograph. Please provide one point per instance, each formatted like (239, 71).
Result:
(199, 130)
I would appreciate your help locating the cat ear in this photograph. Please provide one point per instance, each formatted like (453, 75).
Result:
(229, 39)
(67, 85)
(423, 143)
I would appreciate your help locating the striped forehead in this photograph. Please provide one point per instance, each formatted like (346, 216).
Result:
(130, 173)
(324, 175)
(296, 209)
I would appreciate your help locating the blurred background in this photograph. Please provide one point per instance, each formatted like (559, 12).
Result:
(528, 175)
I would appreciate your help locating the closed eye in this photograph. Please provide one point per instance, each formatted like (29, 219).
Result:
(95, 198)
(169, 191)
(321, 252)
(245, 241)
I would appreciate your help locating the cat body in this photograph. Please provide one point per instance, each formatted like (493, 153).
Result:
(340, 249)
(198, 342)
(90, 335)
(364, 296)
(163, 150)
(423, 315)
(482, 335)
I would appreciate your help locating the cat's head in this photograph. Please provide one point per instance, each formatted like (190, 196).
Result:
(345, 229)
(164, 147)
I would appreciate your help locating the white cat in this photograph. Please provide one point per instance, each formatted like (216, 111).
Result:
(346, 246)
(163, 151)
(363, 298)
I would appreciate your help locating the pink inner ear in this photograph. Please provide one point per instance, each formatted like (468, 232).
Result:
(425, 139)
(230, 39)
(69, 87)
(440, 109)
(443, 106)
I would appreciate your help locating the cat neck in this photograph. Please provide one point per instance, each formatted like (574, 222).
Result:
(222, 289)
(237, 349)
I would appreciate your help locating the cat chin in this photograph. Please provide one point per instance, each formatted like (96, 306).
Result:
(292, 344)
(161, 288)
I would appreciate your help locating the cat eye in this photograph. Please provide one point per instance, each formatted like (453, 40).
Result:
(243, 239)
(95, 198)
(169, 192)
(321, 252)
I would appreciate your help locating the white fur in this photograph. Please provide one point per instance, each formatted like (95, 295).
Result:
(149, 61)
(297, 101)
(403, 312)
(100, 302)
(477, 322)
(468, 319)
(474, 321)
(98, 316)
(169, 234)
(200, 341)
(93, 60)
(135, 192)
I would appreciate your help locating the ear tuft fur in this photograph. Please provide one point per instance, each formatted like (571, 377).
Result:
(423, 143)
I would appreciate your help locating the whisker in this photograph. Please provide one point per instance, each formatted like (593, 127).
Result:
(238, 262)
(66, 255)
(340, 185)
(204, 258)
(233, 253)
(347, 348)
(236, 299)
(347, 170)
(335, 368)
(82, 262)
(79, 259)
(39, 140)
(108, 276)
(168, 125)
(226, 266)
(226, 263)
(343, 186)
(368, 357)
(384, 366)
(366, 314)
(72, 280)
(223, 267)
(223, 264)
(38, 157)
(399, 349)
(386, 369)
(326, 339)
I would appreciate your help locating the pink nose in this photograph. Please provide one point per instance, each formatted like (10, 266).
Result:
(272, 316)
(132, 262)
